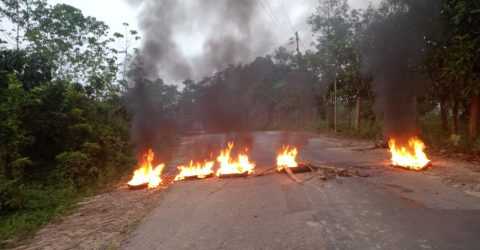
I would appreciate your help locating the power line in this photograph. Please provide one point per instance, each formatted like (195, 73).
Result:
(289, 20)
(268, 14)
(268, 7)
(302, 32)
(281, 20)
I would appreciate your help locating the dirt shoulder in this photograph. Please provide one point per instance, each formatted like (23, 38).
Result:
(98, 222)
(460, 171)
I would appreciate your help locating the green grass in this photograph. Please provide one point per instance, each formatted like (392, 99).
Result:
(367, 130)
(39, 206)
(436, 137)
(431, 132)
(33, 204)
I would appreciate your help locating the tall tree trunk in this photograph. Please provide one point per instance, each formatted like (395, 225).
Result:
(358, 111)
(455, 117)
(329, 112)
(474, 115)
(444, 113)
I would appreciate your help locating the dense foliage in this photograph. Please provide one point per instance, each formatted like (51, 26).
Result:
(265, 94)
(63, 128)
(433, 45)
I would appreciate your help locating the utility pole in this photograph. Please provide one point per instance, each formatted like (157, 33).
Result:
(330, 7)
(301, 65)
(335, 103)
(298, 43)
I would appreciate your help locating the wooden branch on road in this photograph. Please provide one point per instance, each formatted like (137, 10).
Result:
(291, 175)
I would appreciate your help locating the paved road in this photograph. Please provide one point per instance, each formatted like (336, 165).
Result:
(392, 209)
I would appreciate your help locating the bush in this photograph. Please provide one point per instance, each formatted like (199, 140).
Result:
(75, 168)
(19, 166)
(11, 196)
(38, 204)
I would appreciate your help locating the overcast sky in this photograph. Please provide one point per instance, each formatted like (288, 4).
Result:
(283, 16)
(116, 12)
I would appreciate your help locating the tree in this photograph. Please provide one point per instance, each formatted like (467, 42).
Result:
(31, 69)
(63, 124)
(451, 63)
(77, 47)
(12, 132)
(19, 12)
(128, 37)
(340, 33)
(463, 59)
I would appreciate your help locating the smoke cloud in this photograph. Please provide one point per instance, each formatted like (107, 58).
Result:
(186, 40)
(392, 56)
(153, 118)
(193, 39)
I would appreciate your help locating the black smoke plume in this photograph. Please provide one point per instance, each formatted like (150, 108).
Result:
(393, 53)
(153, 115)
(225, 32)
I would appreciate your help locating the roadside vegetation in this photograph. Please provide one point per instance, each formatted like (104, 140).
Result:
(64, 132)
(445, 72)
(294, 89)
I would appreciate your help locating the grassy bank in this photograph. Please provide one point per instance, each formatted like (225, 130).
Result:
(430, 129)
(39, 204)
(36, 204)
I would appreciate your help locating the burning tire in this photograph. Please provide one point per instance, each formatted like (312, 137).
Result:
(138, 187)
(301, 168)
(234, 175)
(196, 178)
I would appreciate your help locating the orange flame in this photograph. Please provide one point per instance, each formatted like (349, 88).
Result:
(287, 158)
(229, 166)
(199, 170)
(147, 173)
(411, 156)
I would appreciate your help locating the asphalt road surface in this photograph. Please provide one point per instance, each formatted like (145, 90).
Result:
(391, 209)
